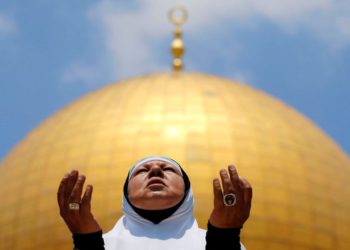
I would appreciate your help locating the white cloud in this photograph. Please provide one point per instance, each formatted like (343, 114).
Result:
(130, 36)
(7, 25)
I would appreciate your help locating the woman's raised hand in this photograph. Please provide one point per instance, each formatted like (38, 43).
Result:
(75, 209)
(236, 211)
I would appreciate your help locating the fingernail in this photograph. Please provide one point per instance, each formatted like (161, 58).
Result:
(216, 183)
(231, 168)
(74, 172)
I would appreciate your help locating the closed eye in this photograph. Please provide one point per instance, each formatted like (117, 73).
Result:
(169, 169)
(141, 170)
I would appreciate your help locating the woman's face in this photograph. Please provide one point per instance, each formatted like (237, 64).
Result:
(156, 185)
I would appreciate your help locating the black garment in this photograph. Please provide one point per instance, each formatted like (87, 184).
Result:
(90, 241)
(222, 239)
(217, 239)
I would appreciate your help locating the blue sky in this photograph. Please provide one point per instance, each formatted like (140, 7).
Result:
(53, 52)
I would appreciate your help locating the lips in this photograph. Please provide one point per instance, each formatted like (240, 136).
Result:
(154, 181)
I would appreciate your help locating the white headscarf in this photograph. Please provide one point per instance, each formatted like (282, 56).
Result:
(178, 231)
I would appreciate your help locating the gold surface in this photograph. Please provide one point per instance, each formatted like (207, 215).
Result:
(177, 49)
(178, 16)
(300, 176)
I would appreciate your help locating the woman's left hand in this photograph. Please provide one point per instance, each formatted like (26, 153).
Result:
(225, 216)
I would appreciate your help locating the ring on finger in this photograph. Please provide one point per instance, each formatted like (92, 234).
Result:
(74, 206)
(229, 199)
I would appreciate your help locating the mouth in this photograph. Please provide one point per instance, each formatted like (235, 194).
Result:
(155, 183)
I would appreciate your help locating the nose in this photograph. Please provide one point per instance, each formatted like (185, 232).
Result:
(155, 171)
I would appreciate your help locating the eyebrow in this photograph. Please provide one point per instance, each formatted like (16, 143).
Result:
(162, 165)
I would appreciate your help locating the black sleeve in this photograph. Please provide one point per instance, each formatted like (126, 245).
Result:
(90, 241)
(222, 238)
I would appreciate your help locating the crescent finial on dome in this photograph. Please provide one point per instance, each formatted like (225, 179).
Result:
(178, 16)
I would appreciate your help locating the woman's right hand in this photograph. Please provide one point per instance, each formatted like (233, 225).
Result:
(75, 209)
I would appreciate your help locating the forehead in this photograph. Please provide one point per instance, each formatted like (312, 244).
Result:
(157, 162)
(160, 163)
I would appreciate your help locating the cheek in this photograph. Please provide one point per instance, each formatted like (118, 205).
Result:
(133, 187)
(179, 187)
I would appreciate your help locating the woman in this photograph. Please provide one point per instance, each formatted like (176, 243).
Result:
(158, 210)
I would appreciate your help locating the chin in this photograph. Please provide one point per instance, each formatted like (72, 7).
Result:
(154, 199)
(158, 202)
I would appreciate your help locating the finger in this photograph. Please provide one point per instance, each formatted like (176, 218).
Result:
(234, 177)
(77, 189)
(86, 200)
(226, 183)
(217, 192)
(247, 190)
(72, 178)
(61, 191)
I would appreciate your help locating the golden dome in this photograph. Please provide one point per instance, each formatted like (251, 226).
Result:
(300, 176)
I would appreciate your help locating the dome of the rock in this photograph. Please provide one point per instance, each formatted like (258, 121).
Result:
(299, 175)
